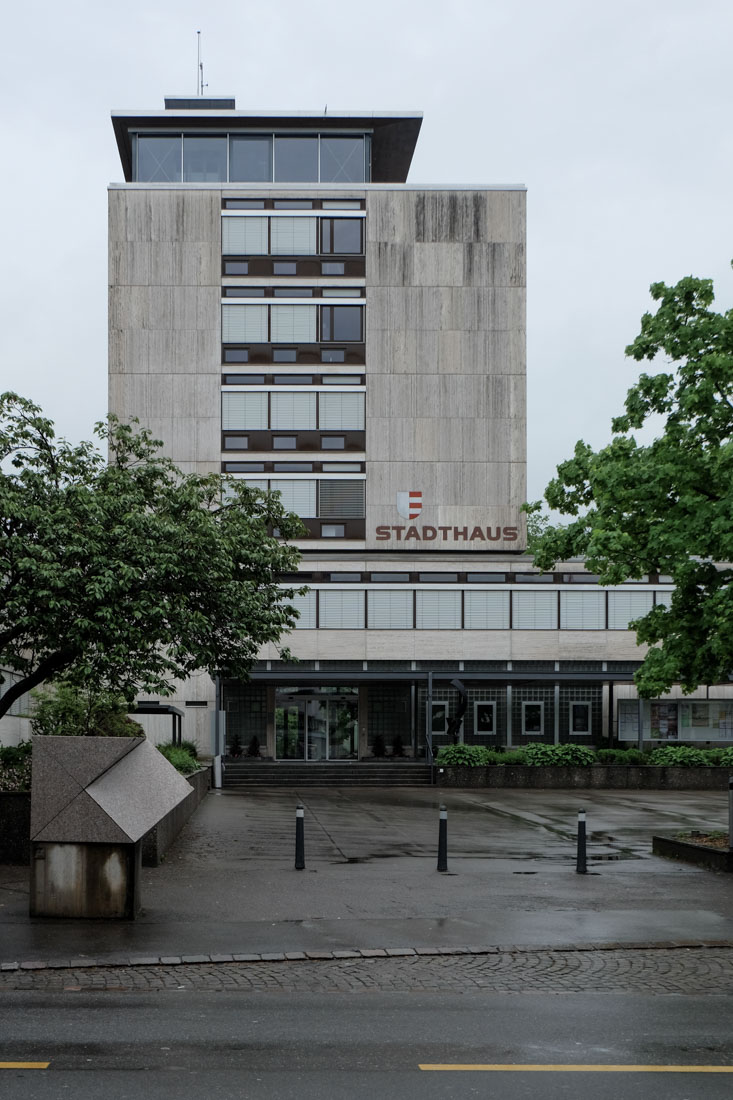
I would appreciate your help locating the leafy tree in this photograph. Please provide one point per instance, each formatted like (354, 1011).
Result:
(127, 574)
(664, 507)
(65, 710)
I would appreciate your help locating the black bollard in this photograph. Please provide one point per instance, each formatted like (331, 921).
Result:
(443, 840)
(299, 837)
(581, 867)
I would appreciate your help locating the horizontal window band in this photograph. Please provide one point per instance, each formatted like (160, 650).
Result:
(269, 212)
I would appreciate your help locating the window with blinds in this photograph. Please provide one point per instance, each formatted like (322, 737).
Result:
(293, 236)
(663, 597)
(341, 609)
(244, 236)
(486, 610)
(293, 324)
(291, 411)
(243, 324)
(243, 410)
(534, 610)
(341, 499)
(623, 607)
(297, 496)
(341, 412)
(582, 610)
(306, 605)
(439, 610)
(390, 610)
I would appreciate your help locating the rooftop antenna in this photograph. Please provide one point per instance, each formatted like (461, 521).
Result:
(200, 69)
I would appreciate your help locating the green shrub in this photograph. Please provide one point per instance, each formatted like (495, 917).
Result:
(15, 767)
(191, 748)
(181, 760)
(511, 757)
(559, 755)
(64, 710)
(620, 756)
(725, 758)
(678, 756)
(467, 756)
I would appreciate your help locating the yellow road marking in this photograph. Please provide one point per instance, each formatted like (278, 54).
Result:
(513, 1068)
(24, 1065)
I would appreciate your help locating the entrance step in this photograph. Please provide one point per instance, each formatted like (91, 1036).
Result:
(240, 774)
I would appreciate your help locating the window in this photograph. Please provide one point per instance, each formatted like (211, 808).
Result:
(284, 443)
(486, 610)
(235, 355)
(293, 411)
(342, 467)
(296, 159)
(332, 269)
(438, 718)
(243, 324)
(437, 578)
(341, 379)
(342, 159)
(297, 496)
(341, 412)
(250, 158)
(293, 467)
(533, 718)
(283, 268)
(284, 355)
(204, 159)
(333, 530)
(244, 467)
(341, 323)
(306, 606)
(333, 442)
(582, 610)
(580, 718)
(243, 410)
(292, 292)
(623, 607)
(293, 324)
(292, 379)
(236, 443)
(158, 159)
(438, 610)
(341, 609)
(243, 292)
(484, 718)
(534, 610)
(243, 237)
(342, 236)
(341, 499)
(390, 609)
(236, 267)
(391, 578)
(244, 204)
(293, 236)
(332, 355)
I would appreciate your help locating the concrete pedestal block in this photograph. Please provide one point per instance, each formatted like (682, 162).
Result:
(85, 880)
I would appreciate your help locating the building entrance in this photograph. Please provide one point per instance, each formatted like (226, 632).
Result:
(317, 724)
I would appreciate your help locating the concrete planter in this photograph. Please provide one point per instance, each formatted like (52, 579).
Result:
(592, 777)
(715, 859)
(157, 842)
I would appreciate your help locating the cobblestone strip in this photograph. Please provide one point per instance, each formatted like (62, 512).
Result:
(628, 970)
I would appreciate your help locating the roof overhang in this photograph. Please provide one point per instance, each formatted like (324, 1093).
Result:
(394, 135)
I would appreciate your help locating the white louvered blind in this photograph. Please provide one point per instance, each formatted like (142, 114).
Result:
(244, 236)
(293, 236)
(297, 496)
(390, 609)
(625, 606)
(243, 324)
(306, 605)
(438, 610)
(582, 610)
(340, 609)
(293, 410)
(486, 610)
(663, 597)
(257, 483)
(534, 610)
(293, 324)
(341, 499)
(243, 410)
(341, 412)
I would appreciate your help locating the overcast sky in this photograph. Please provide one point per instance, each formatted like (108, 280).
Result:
(617, 117)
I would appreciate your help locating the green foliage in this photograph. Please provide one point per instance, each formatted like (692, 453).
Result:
(66, 710)
(559, 755)
(180, 758)
(511, 757)
(664, 507)
(679, 756)
(398, 748)
(724, 758)
(127, 572)
(191, 748)
(621, 756)
(15, 767)
(467, 756)
(253, 749)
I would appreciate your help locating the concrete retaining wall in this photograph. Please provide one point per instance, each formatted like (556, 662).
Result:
(15, 823)
(594, 776)
(715, 859)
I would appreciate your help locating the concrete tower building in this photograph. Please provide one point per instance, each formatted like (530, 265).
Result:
(287, 309)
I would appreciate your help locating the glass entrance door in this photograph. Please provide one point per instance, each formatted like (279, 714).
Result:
(317, 725)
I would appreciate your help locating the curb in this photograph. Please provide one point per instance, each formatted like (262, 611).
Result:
(116, 961)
